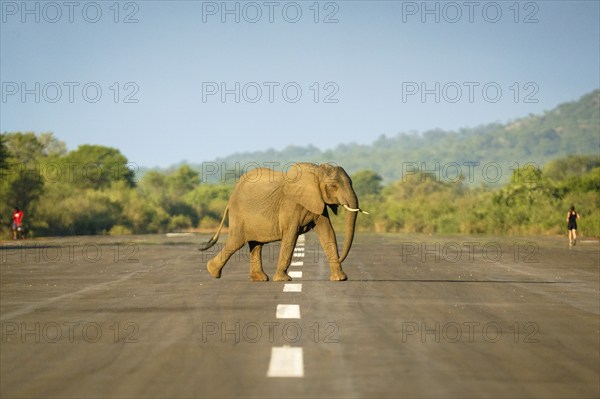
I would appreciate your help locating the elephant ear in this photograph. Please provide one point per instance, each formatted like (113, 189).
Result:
(305, 191)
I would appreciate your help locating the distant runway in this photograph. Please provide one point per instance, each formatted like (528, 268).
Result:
(421, 316)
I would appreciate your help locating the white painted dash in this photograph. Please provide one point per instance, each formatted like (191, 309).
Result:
(299, 254)
(286, 362)
(290, 287)
(295, 274)
(288, 312)
(297, 263)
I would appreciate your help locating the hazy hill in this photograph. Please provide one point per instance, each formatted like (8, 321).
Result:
(570, 128)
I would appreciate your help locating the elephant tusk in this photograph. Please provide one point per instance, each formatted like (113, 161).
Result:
(355, 210)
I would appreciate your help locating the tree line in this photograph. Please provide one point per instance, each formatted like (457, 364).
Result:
(95, 190)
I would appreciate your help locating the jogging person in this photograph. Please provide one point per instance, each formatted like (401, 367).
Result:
(572, 217)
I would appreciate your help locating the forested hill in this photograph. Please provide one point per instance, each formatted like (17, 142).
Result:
(571, 128)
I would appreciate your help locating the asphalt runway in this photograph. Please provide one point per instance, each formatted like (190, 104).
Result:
(421, 316)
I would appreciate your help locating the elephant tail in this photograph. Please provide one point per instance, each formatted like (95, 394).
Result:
(215, 238)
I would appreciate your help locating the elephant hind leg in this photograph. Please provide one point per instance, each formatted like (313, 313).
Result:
(256, 271)
(216, 264)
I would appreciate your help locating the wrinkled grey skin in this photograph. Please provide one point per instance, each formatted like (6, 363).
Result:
(269, 206)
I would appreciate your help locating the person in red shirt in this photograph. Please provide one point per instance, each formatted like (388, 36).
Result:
(17, 226)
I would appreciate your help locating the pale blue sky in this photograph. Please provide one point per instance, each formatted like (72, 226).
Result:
(370, 61)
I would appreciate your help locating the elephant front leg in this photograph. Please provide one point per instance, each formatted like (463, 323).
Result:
(256, 271)
(328, 241)
(335, 267)
(285, 257)
(336, 273)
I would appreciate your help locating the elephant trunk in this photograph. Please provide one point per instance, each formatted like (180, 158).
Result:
(350, 226)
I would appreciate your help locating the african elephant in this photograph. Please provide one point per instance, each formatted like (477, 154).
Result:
(268, 206)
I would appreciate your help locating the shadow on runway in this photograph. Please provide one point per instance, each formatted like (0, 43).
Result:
(350, 280)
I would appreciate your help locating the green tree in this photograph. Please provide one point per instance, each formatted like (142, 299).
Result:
(366, 182)
(21, 179)
(422, 203)
(97, 167)
(24, 147)
(3, 153)
(570, 166)
(368, 187)
(171, 193)
(209, 201)
(84, 191)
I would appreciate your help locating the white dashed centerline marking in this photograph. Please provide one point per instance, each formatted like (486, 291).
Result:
(286, 362)
(289, 287)
(295, 274)
(288, 312)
